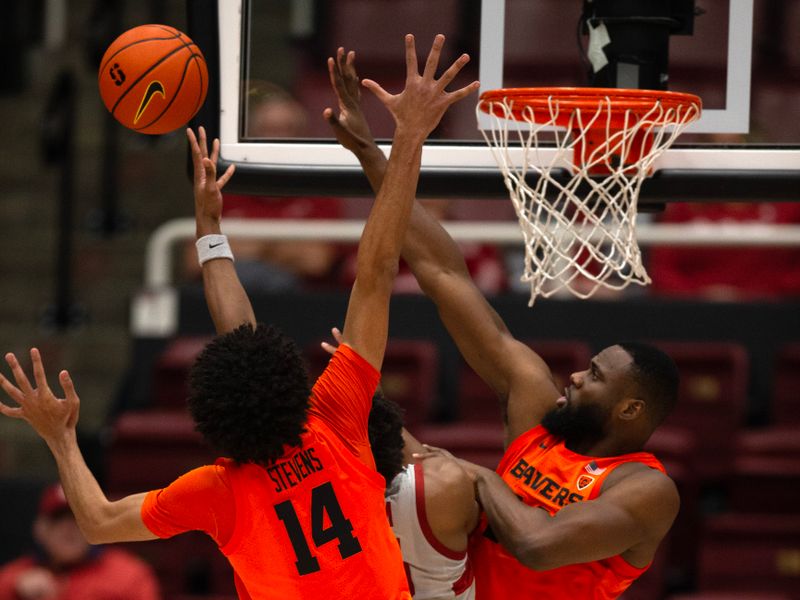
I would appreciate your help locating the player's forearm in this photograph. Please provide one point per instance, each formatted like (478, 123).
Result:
(227, 300)
(427, 247)
(87, 501)
(386, 226)
(100, 521)
(373, 163)
(517, 526)
(431, 252)
(577, 533)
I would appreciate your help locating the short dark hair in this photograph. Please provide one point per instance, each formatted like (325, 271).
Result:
(250, 394)
(386, 436)
(656, 377)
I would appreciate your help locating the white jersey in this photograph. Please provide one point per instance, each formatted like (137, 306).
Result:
(434, 571)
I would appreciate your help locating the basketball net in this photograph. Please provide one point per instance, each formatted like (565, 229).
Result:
(579, 231)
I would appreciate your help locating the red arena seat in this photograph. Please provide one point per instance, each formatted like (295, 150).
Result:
(676, 447)
(149, 449)
(786, 395)
(766, 476)
(711, 400)
(765, 484)
(779, 442)
(751, 553)
(170, 388)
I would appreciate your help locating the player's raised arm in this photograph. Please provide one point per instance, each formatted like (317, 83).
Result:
(521, 379)
(350, 126)
(416, 110)
(55, 419)
(226, 299)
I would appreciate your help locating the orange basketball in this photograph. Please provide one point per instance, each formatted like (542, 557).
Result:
(153, 79)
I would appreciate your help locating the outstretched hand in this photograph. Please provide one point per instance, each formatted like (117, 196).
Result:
(350, 127)
(207, 188)
(50, 416)
(418, 109)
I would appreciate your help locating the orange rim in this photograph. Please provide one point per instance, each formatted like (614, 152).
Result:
(637, 103)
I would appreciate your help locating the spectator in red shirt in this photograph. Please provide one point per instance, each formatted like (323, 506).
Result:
(66, 567)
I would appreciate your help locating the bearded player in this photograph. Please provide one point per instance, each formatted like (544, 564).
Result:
(594, 507)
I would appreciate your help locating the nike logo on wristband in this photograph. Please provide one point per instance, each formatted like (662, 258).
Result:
(210, 246)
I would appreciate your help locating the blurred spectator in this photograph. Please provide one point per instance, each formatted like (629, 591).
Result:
(726, 273)
(484, 261)
(277, 265)
(64, 566)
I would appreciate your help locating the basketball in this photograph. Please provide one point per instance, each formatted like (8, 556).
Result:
(153, 79)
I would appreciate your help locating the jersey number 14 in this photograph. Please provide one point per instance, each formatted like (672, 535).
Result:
(323, 500)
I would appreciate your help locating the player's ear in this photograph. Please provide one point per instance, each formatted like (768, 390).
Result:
(631, 408)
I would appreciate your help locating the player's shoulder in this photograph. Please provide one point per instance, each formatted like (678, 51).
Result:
(443, 475)
(639, 473)
(648, 495)
(449, 498)
(208, 477)
(639, 480)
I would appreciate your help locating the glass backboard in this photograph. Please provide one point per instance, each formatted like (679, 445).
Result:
(740, 56)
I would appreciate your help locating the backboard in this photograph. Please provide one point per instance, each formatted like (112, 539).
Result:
(740, 56)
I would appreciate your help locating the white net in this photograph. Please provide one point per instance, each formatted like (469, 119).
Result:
(574, 175)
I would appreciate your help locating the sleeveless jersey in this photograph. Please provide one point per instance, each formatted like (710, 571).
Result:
(434, 571)
(311, 524)
(544, 473)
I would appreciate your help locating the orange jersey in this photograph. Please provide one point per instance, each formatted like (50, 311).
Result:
(544, 473)
(311, 524)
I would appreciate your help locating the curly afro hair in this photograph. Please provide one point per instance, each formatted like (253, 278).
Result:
(386, 436)
(249, 393)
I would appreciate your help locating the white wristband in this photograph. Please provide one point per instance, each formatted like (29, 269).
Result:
(213, 246)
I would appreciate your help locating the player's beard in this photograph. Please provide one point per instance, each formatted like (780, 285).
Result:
(580, 427)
